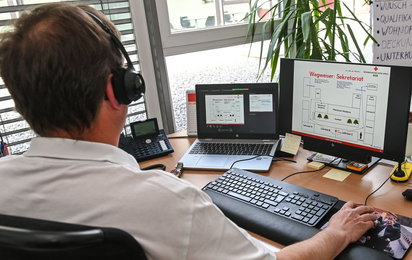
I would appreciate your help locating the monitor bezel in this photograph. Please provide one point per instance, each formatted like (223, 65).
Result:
(397, 115)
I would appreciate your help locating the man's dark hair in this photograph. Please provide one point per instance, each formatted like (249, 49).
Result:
(55, 61)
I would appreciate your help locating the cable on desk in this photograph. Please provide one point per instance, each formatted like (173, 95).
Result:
(403, 184)
(254, 157)
(329, 164)
(182, 136)
(300, 173)
(366, 200)
(273, 159)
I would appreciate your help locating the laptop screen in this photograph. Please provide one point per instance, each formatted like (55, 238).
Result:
(237, 111)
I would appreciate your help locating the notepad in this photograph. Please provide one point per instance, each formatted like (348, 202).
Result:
(337, 175)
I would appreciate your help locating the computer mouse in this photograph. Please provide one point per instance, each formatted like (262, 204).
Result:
(407, 194)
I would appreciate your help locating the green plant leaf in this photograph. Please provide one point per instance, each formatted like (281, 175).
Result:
(309, 29)
(306, 24)
(356, 44)
(360, 23)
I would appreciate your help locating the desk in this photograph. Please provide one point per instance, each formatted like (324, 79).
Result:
(356, 187)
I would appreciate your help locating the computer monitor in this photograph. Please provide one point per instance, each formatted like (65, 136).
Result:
(354, 111)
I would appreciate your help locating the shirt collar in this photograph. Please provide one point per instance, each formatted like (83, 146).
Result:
(70, 149)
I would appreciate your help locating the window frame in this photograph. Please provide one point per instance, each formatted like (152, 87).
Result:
(202, 39)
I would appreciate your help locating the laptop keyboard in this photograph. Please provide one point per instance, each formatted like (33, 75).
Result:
(284, 199)
(231, 149)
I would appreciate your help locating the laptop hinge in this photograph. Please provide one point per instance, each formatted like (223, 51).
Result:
(267, 140)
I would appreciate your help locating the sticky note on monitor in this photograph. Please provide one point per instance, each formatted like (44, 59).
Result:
(291, 144)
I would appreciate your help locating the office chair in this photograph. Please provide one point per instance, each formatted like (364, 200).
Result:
(26, 238)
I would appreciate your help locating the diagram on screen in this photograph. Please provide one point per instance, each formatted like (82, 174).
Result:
(225, 109)
(351, 116)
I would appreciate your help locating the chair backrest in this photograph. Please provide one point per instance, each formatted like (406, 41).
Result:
(27, 238)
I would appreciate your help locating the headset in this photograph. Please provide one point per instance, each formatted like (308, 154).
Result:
(128, 85)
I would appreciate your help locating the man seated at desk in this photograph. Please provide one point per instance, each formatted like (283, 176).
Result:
(58, 65)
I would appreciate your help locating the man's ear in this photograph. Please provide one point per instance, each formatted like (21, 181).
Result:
(110, 94)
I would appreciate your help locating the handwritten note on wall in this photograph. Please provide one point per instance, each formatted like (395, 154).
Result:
(392, 28)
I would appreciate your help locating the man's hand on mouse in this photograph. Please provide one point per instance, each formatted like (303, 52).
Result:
(352, 221)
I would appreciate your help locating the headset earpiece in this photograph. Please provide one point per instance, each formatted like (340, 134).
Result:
(128, 85)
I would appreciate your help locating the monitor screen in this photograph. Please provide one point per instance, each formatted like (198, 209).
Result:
(237, 110)
(349, 110)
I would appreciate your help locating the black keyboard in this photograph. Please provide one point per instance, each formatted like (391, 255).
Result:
(284, 199)
(231, 149)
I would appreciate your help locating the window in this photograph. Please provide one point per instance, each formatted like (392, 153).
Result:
(14, 130)
(197, 25)
(198, 14)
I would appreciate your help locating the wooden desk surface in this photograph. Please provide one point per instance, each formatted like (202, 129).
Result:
(355, 187)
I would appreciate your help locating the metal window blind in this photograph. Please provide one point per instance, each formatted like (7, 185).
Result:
(14, 129)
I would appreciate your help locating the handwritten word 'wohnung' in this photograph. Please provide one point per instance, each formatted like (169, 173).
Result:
(397, 30)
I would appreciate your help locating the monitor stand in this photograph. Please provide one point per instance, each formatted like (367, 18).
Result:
(342, 165)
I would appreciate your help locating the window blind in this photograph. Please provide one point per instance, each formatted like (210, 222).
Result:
(14, 130)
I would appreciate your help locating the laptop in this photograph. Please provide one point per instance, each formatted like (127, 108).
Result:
(235, 115)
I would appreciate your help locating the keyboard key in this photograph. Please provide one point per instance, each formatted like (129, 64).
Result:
(271, 202)
(279, 198)
(320, 212)
(313, 220)
(239, 196)
(298, 217)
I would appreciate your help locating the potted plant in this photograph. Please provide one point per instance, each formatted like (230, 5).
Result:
(308, 29)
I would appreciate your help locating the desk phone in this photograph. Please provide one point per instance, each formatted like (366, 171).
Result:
(148, 141)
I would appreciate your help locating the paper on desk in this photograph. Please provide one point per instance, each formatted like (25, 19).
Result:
(337, 175)
(291, 144)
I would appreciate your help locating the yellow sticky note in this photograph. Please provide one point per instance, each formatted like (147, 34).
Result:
(337, 175)
(291, 144)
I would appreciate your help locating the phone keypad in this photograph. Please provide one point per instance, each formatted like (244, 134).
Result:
(150, 146)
